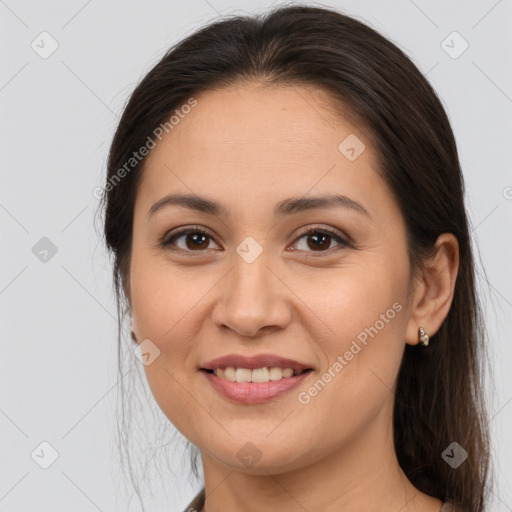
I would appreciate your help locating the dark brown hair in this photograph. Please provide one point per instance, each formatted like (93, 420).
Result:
(439, 397)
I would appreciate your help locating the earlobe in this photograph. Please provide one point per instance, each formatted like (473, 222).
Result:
(434, 294)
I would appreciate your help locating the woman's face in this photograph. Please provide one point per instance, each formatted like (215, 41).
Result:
(252, 282)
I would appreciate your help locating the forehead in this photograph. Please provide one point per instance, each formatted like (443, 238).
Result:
(270, 140)
(248, 116)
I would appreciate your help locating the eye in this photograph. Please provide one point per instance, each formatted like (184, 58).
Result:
(320, 240)
(187, 239)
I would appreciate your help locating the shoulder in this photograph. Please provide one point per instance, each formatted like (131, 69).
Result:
(447, 506)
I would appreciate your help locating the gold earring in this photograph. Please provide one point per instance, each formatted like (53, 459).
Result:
(422, 337)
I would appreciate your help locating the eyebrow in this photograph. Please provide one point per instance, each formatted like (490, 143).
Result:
(289, 206)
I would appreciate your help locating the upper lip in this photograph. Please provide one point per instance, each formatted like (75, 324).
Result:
(253, 362)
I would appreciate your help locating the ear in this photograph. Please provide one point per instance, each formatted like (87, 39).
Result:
(433, 293)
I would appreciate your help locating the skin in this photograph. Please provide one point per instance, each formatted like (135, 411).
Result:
(249, 147)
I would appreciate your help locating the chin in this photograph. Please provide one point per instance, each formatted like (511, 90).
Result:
(260, 458)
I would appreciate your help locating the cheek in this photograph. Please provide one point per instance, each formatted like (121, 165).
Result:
(366, 316)
(163, 305)
(166, 308)
(355, 302)
(164, 300)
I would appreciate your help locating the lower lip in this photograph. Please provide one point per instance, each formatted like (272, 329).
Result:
(254, 392)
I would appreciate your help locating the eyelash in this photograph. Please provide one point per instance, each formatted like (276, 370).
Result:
(168, 240)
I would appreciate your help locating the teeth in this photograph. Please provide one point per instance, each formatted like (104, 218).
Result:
(259, 375)
(243, 375)
(229, 374)
(256, 375)
(275, 373)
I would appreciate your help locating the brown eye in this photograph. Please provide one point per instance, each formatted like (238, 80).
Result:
(317, 240)
(196, 241)
(191, 240)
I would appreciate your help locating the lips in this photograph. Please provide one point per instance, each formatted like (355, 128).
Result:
(254, 362)
(251, 393)
(244, 391)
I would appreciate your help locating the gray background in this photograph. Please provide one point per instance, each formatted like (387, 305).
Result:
(58, 320)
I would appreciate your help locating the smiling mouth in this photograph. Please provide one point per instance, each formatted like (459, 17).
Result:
(257, 375)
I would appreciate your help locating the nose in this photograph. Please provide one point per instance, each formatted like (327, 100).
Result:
(252, 298)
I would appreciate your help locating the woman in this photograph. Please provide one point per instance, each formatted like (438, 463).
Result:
(284, 204)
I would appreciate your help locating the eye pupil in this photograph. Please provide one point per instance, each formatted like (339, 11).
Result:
(198, 241)
(320, 237)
